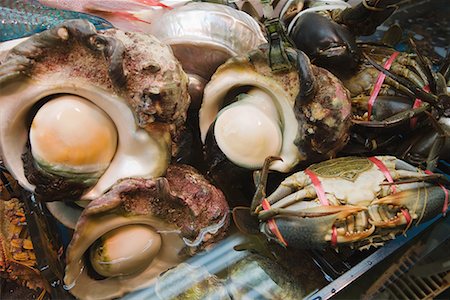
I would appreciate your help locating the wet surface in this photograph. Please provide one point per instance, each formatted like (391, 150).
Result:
(427, 21)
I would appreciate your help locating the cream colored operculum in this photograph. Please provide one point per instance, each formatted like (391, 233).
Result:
(248, 131)
(125, 250)
(71, 134)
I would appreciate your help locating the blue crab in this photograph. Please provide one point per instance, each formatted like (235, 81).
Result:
(360, 201)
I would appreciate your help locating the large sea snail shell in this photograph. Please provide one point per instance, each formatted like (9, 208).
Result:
(203, 36)
(132, 80)
(141, 228)
(267, 96)
(250, 112)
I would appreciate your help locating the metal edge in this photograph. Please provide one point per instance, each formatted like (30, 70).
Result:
(369, 262)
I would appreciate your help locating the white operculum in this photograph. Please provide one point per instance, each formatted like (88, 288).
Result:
(70, 136)
(125, 250)
(248, 130)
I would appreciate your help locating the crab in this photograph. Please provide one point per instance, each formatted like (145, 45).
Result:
(407, 114)
(357, 201)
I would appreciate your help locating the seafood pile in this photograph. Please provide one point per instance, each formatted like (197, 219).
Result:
(136, 126)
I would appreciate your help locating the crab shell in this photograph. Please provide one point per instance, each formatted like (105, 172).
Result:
(183, 210)
(133, 78)
(307, 128)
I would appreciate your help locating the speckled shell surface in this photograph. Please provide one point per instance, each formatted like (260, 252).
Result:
(133, 77)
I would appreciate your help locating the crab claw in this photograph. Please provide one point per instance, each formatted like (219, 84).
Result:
(408, 207)
(314, 227)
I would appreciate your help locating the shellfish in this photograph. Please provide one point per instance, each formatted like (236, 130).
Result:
(300, 114)
(203, 36)
(121, 99)
(163, 219)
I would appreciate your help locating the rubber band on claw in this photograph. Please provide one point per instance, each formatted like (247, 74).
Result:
(272, 225)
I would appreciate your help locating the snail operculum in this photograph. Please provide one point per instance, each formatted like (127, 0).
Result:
(125, 250)
(71, 141)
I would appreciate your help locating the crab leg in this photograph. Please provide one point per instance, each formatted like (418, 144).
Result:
(445, 67)
(395, 119)
(438, 144)
(418, 177)
(417, 91)
(402, 70)
(298, 187)
(425, 66)
(260, 193)
(307, 192)
(292, 183)
(403, 65)
(322, 225)
(340, 212)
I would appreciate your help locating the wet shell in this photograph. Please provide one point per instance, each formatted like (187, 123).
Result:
(184, 211)
(252, 70)
(276, 109)
(204, 35)
(133, 78)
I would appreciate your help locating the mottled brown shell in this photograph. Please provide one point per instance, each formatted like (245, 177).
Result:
(136, 66)
(313, 105)
(183, 208)
(324, 122)
(132, 77)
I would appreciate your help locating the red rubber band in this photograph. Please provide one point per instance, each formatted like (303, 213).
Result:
(272, 225)
(445, 207)
(323, 200)
(318, 187)
(379, 83)
(418, 103)
(333, 236)
(154, 3)
(382, 167)
(407, 216)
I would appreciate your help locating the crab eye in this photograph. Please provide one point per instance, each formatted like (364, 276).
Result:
(70, 135)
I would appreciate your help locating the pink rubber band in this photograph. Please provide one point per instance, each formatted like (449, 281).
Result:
(379, 83)
(333, 236)
(418, 103)
(318, 187)
(407, 216)
(272, 225)
(323, 200)
(381, 166)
